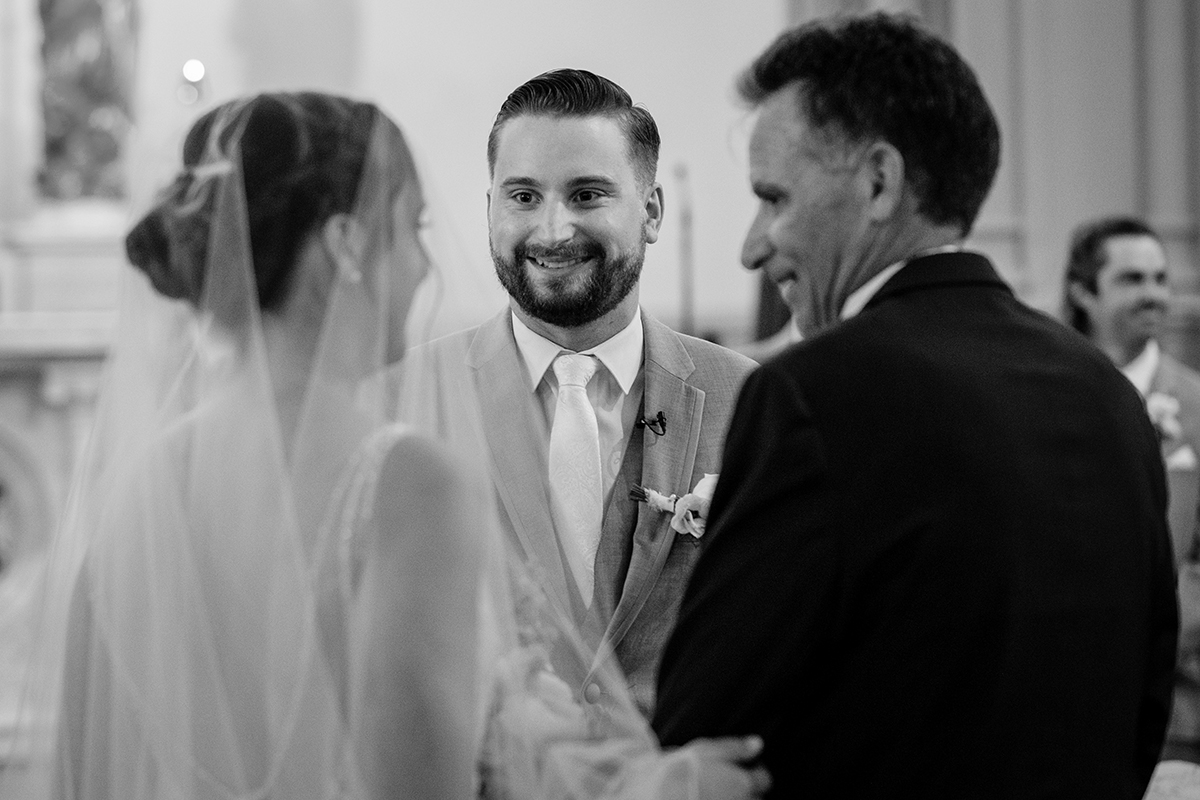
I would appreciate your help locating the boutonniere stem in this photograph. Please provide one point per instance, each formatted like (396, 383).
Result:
(688, 513)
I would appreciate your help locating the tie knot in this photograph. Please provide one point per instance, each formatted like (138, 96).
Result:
(573, 369)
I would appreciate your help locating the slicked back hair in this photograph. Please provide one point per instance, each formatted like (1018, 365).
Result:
(579, 93)
(1088, 256)
(882, 76)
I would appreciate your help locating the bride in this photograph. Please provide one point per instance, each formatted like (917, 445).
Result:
(264, 588)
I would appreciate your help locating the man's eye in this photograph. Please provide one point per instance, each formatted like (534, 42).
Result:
(523, 197)
(588, 196)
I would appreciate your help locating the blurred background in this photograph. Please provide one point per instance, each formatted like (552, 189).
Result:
(1097, 100)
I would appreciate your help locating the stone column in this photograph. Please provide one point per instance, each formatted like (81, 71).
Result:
(20, 108)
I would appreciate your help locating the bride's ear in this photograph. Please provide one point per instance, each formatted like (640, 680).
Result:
(345, 242)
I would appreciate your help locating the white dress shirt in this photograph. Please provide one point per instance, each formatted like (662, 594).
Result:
(859, 298)
(1141, 370)
(615, 391)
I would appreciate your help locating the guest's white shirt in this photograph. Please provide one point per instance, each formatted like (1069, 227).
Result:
(615, 391)
(859, 298)
(1141, 369)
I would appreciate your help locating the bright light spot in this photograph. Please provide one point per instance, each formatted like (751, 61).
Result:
(193, 70)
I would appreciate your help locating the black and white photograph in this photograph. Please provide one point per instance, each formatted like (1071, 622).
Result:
(638, 400)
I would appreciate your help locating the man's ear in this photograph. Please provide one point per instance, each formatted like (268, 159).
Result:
(489, 201)
(345, 243)
(1081, 297)
(654, 213)
(884, 174)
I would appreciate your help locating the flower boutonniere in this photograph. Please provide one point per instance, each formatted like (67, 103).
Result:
(688, 513)
(1164, 413)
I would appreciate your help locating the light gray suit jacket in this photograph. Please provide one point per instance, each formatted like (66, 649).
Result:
(642, 565)
(1183, 478)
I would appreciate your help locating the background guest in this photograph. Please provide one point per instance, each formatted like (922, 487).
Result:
(1117, 294)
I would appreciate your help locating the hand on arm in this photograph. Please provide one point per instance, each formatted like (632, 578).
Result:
(726, 768)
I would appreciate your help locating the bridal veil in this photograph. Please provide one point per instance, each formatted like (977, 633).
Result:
(179, 650)
(280, 574)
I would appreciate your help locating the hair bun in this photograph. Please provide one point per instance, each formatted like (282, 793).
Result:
(148, 247)
(298, 158)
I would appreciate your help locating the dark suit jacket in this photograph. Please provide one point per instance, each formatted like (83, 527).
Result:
(937, 563)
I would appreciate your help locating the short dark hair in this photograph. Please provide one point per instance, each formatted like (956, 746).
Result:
(301, 156)
(883, 76)
(1088, 256)
(579, 93)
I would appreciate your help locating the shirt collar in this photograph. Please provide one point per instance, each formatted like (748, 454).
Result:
(621, 354)
(1141, 369)
(859, 298)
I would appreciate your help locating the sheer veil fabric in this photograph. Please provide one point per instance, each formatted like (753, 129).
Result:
(178, 653)
(280, 573)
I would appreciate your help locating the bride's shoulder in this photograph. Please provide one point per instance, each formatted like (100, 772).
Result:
(425, 494)
(417, 469)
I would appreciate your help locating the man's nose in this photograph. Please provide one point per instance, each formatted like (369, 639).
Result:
(556, 223)
(1156, 287)
(756, 249)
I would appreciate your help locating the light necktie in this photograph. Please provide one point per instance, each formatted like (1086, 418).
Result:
(575, 481)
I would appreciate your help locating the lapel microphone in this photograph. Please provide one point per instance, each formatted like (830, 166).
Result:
(657, 426)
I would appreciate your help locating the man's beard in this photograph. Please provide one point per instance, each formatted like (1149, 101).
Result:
(610, 281)
(1144, 322)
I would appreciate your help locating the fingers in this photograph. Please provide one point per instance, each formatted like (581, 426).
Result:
(760, 781)
(726, 770)
(736, 749)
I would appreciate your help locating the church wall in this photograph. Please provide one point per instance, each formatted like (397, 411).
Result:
(1099, 114)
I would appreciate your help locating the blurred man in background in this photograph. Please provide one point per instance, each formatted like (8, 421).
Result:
(1117, 295)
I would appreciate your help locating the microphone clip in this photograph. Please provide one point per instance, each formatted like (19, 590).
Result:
(657, 426)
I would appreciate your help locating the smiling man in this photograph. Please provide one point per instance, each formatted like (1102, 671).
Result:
(937, 562)
(1117, 294)
(1116, 286)
(584, 396)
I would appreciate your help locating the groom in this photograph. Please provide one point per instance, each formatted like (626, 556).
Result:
(572, 205)
(937, 562)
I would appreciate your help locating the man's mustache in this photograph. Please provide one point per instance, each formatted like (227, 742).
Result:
(1151, 305)
(560, 252)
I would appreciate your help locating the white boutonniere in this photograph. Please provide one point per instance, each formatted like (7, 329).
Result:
(688, 513)
(1164, 413)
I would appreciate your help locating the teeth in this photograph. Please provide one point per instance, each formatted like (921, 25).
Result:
(572, 262)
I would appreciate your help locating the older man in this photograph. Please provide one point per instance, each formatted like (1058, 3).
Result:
(937, 562)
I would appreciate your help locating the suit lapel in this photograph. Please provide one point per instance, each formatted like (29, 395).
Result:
(519, 468)
(667, 463)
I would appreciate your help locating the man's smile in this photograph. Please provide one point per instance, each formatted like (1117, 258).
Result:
(559, 263)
